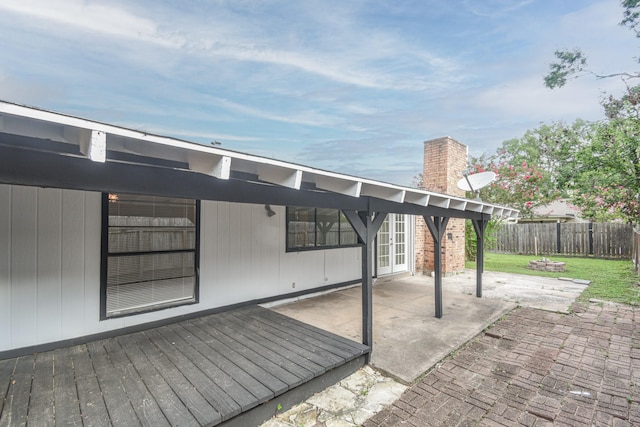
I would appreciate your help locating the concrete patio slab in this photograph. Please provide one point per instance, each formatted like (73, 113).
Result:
(408, 339)
(545, 293)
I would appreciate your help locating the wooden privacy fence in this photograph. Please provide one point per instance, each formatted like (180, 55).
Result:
(601, 240)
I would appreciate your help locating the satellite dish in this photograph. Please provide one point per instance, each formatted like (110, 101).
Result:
(476, 181)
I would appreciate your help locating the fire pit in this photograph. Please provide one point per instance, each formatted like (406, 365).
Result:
(547, 265)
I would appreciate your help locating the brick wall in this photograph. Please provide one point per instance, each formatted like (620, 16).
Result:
(444, 160)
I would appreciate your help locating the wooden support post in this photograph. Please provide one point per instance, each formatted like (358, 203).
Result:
(366, 225)
(437, 227)
(480, 226)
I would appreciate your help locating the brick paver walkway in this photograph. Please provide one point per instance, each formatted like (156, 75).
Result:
(534, 368)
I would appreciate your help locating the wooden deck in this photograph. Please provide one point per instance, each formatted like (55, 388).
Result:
(203, 371)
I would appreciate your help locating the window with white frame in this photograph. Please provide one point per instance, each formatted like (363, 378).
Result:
(150, 253)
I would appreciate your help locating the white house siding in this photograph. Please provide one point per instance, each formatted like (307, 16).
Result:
(50, 263)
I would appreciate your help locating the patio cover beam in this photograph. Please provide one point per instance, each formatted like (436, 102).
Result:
(27, 161)
(45, 169)
(437, 226)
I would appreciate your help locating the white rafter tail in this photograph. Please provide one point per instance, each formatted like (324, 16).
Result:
(488, 209)
(498, 211)
(278, 175)
(456, 204)
(439, 201)
(210, 164)
(76, 136)
(417, 198)
(475, 207)
(337, 185)
(386, 193)
(94, 145)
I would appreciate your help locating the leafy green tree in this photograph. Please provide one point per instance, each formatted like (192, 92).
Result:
(535, 169)
(573, 63)
(551, 149)
(518, 186)
(607, 184)
(606, 179)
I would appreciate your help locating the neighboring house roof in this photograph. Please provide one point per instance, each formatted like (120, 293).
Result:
(558, 210)
(65, 139)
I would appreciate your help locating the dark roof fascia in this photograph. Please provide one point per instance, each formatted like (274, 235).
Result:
(34, 167)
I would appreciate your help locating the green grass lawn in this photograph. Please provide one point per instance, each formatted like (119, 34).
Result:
(611, 280)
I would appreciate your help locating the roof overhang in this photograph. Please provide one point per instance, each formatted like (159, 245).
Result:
(43, 148)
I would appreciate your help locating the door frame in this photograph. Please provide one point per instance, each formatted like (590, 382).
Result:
(388, 234)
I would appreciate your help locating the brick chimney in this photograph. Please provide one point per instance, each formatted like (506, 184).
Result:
(444, 161)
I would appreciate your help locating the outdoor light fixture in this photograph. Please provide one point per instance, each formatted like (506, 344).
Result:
(270, 212)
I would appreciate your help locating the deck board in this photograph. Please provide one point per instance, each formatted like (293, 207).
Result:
(290, 361)
(301, 356)
(146, 408)
(67, 407)
(321, 334)
(113, 392)
(293, 342)
(307, 335)
(216, 346)
(233, 389)
(169, 402)
(6, 372)
(16, 408)
(171, 381)
(257, 391)
(213, 394)
(41, 408)
(201, 371)
(92, 406)
(273, 362)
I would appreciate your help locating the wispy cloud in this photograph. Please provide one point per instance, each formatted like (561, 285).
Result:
(92, 17)
(354, 86)
(495, 8)
(375, 61)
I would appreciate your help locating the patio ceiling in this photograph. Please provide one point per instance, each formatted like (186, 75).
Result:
(77, 153)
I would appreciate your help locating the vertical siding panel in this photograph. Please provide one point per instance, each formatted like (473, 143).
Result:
(92, 240)
(5, 267)
(23, 265)
(49, 264)
(342, 265)
(239, 267)
(264, 252)
(241, 240)
(219, 277)
(209, 241)
(73, 259)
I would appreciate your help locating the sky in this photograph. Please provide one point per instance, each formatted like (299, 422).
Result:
(351, 86)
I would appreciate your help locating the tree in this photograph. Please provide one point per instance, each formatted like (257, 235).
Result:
(518, 186)
(535, 169)
(573, 63)
(607, 184)
(606, 181)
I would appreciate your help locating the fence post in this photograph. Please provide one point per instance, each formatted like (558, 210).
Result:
(558, 240)
(590, 238)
